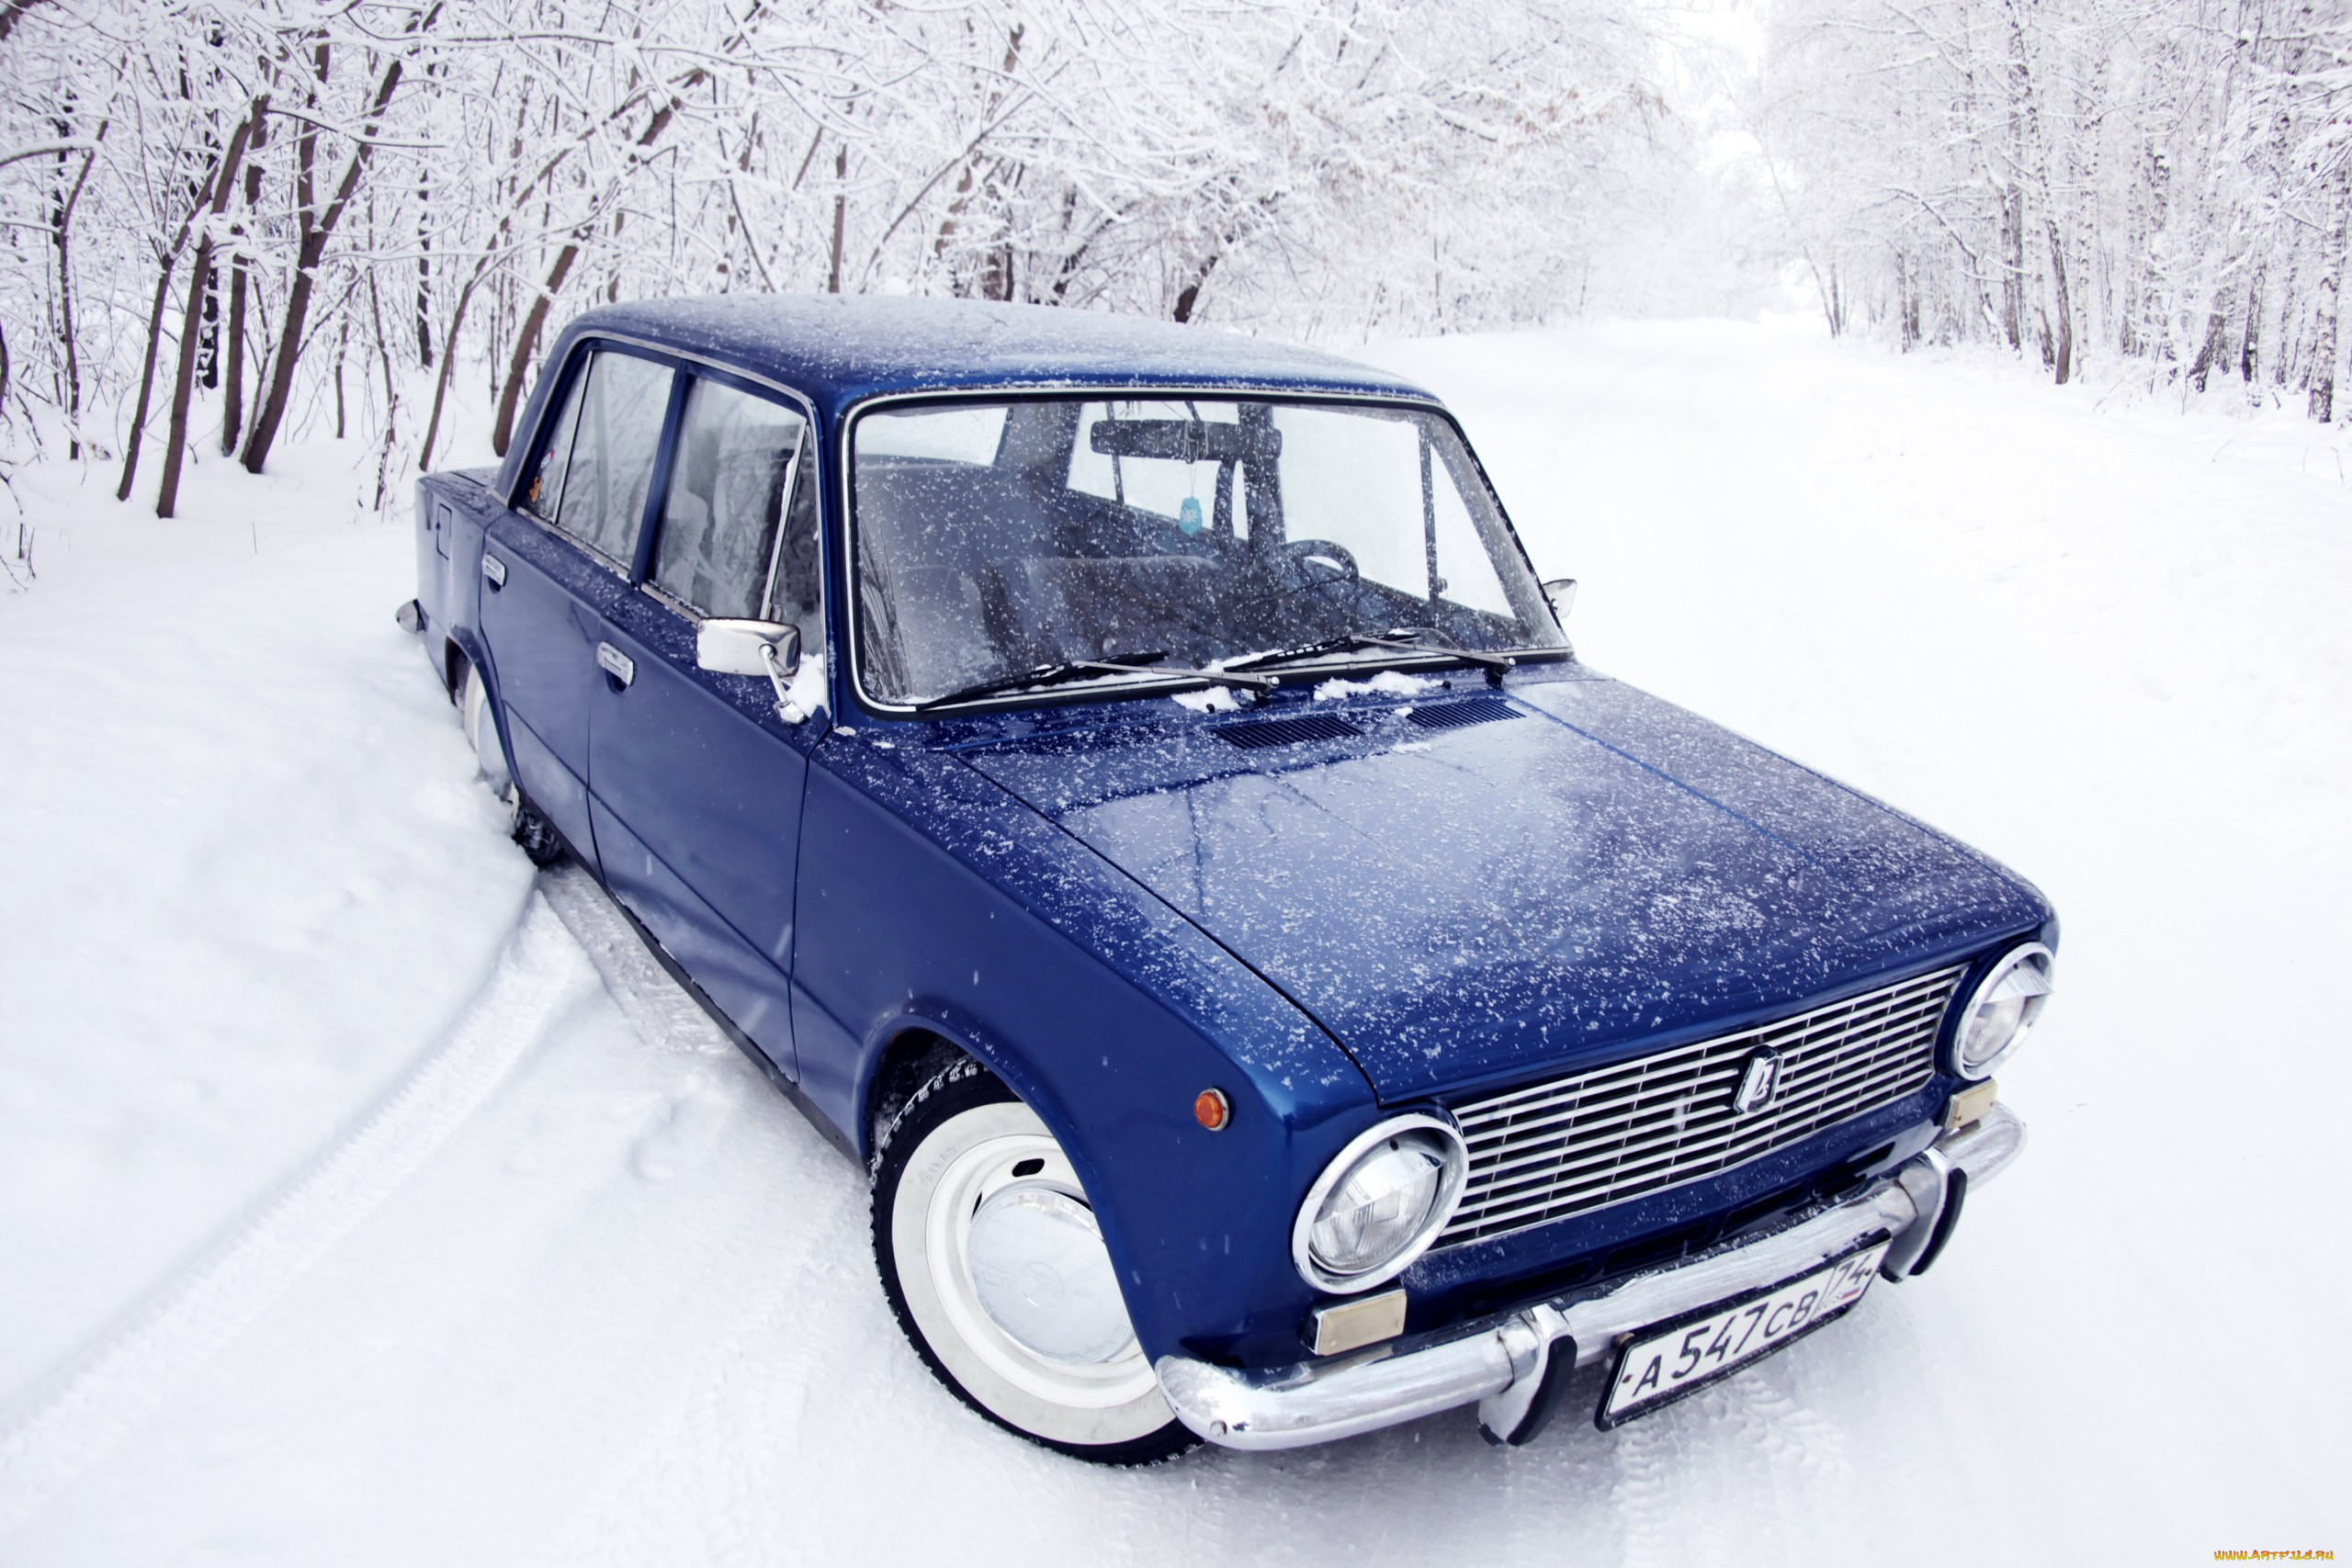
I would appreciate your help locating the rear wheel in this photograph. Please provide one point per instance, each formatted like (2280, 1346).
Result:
(524, 822)
(992, 1260)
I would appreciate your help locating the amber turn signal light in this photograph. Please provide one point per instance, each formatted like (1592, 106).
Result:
(1209, 1109)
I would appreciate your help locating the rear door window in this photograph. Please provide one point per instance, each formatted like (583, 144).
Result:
(725, 511)
(615, 430)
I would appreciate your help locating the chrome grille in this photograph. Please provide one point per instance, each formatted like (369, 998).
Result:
(1550, 1150)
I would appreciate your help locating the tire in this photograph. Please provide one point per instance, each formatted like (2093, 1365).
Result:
(962, 1171)
(525, 823)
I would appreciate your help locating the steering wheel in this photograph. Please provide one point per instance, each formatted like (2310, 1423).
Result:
(1298, 561)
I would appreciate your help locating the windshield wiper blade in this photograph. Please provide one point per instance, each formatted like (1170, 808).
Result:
(1396, 638)
(1078, 669)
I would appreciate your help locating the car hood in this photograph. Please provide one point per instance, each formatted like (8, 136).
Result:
(1472, 888)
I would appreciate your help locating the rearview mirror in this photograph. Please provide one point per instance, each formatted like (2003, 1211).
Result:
(1562, 592)
(726, 647)
(1185, 440)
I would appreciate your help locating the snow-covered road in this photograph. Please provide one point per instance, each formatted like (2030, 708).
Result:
(364, 1199)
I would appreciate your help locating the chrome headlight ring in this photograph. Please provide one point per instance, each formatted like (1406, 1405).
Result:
(1379, 1204)
(1994, 1018)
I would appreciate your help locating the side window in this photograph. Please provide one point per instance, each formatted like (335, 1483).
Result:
(720, 521)
(615, 429)
(546, 484)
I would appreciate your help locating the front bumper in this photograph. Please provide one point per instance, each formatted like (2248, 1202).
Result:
(1508, 1365)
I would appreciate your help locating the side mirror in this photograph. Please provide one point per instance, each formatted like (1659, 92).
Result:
(1562, 592)
(741, 648)
(771, 648)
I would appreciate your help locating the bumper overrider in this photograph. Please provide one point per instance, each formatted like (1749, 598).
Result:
(1516, 1366)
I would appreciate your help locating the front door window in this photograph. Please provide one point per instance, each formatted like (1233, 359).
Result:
(721, 550)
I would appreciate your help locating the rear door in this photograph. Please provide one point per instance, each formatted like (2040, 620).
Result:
(554, 565)
(696, 782)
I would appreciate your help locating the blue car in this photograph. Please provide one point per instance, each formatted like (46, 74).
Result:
(1127, 784)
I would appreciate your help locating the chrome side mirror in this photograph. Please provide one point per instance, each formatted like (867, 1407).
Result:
(1562, 592)
(743, 648)
(726, 647)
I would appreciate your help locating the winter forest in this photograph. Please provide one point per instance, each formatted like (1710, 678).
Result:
(233, 222)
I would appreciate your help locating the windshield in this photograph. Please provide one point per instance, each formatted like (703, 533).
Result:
(995, 538)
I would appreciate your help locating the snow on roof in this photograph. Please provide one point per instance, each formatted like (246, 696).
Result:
(839, 348)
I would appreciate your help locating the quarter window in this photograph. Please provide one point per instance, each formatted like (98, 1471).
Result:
(615, 430)
(718, 550)
(547, 485)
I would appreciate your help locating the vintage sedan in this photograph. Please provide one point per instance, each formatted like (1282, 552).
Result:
(1128, 786)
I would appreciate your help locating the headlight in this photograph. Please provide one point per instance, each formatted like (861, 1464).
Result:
(2000, 1010)
(1379, 1204)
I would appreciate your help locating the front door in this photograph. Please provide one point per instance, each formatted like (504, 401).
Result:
(694, 779)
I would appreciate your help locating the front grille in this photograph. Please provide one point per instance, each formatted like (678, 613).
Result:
(1574, 1145)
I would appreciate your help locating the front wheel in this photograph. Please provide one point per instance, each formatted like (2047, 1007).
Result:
(991, 1259)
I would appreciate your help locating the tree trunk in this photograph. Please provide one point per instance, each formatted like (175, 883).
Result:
(2250, 343)
(423, 278)
(61, 236)
(170, 264)
(841, 217)
(2013, 264)
(233, 402)
(1188, 298)
(313, 244)
(2211, 348)
(527, 339)
(449, 367)
(2325, 292)
(199, 290)
(2062, 362)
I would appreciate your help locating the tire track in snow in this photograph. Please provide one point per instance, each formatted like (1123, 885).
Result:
(72, 1417)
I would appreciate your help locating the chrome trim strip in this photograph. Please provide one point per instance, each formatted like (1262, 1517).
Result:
(1319, 1402)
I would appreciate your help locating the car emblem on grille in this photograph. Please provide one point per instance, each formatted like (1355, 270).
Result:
(1756, 1084)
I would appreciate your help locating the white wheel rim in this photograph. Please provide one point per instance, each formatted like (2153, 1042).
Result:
(963, 1163)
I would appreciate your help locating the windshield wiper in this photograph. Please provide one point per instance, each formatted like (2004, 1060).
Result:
(1400, 639)
(1079, 669)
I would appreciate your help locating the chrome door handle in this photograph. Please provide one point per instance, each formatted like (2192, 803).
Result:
(493, 572)
(614, 662)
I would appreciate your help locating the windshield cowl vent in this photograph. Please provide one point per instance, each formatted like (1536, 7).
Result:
(1455, 716)
(1259, 734)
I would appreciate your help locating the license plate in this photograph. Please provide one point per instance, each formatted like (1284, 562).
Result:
(1669, 1363)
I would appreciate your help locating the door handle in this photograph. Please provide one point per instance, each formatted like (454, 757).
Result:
(618, 665)
(493, 572)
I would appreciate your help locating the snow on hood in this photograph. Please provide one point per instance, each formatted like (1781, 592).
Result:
(1474, 902)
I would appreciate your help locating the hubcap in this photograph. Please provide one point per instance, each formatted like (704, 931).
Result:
(1043, 1275)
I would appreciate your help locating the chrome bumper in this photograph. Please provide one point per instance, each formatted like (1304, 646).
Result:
(1507, 1366)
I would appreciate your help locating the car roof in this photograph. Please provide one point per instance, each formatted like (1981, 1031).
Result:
(841, 348)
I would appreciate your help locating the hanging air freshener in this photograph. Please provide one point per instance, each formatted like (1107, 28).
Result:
(1188, 516)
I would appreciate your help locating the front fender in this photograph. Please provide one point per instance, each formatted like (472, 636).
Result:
(930, 899)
